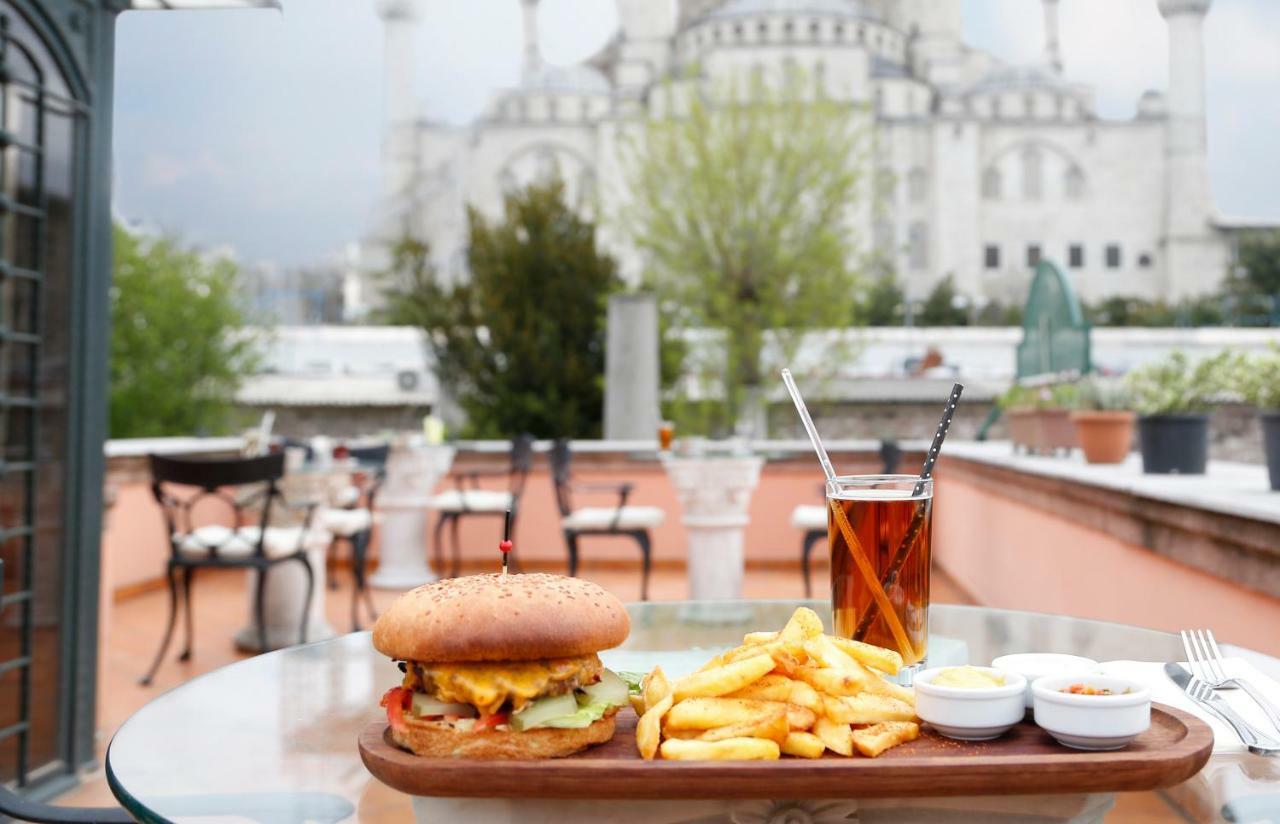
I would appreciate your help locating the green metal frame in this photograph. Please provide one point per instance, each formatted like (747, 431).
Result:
(79, 35)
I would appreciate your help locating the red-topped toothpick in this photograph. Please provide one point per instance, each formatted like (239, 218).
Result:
(506, 544)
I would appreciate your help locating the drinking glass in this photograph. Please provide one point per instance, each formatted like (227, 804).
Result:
(666, 431)
(879, 530)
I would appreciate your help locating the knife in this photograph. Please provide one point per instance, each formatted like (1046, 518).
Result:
(1257, 741)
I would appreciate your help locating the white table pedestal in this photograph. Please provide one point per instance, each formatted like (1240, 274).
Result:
(714, 494)
(286, 591)
(402, 507)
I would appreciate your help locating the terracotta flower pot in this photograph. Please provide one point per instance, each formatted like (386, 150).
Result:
(1056, 430)
(1105, 437)
(1023, 429)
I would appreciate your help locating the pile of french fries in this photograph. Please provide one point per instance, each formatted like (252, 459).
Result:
(795, 692)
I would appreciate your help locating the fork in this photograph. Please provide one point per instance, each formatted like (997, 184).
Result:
(1205, 660)
(1254, 740)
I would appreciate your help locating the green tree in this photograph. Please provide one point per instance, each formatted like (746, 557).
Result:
(940, 307)
(884, 302)
(520, 344)
(178, 347)
(740, 204)
(1259, 262)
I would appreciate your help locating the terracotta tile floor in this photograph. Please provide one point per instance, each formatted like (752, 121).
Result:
(134, 626)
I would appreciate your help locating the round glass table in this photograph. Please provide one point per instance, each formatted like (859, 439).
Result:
(273, 738)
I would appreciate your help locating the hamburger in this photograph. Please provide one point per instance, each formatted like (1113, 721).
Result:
(502, 666)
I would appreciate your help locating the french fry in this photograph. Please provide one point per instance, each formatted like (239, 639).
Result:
(655, 687)
(768, 687)
(805, 696)
(867, 708)
(885, 660)
(833, 681)
(649, 729)
(876, 683)
(836, 737)
(804, 624)
(754, 638)
(722, 680)
(707, 713)
(804, 745)
(802, 718)
(773, 727)
(826, 653)
(786, 664)
(731, 749)
(637, 703)
(750, 651)
(873, 740)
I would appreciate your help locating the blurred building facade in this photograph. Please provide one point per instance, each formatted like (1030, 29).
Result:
(982, 168)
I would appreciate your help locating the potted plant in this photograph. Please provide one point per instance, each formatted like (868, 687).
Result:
(1104, 420)
(1257, 379)
(1173, 399)
(1019, 406)
(1054, 418)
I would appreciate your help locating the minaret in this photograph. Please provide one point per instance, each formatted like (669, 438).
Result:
(648, 28)
(400, 20)
(1189, 236)
(532, 53)
(1052, 49)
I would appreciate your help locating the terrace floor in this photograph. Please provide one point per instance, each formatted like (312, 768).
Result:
(135, 625)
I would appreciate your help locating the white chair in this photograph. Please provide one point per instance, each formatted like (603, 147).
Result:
(352, 518)
(622, 520)
(465, 501)
(812, 520)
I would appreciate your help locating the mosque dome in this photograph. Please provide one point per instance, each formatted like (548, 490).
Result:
(577, 79)
(1015, 78)
(823, 8)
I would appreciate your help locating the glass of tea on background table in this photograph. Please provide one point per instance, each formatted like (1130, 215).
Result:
(879, 528)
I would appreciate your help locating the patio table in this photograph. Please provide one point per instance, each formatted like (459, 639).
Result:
(273, 738)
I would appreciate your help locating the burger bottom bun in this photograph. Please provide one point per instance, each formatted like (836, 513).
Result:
(435, 739)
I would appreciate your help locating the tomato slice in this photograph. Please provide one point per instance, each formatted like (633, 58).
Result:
(488, 722)
(397, 700)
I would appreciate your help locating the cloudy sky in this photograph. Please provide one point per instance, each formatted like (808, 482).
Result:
(260, 131)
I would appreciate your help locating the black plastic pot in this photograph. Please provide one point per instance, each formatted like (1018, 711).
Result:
(1174, 444)
(1271, 443)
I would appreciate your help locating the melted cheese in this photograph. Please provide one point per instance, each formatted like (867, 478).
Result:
(489, 686)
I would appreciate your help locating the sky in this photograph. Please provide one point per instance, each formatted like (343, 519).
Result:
(260, 132)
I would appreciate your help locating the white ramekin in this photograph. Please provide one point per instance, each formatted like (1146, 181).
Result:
(1033, 665)
(970, 714)
(1092, 722)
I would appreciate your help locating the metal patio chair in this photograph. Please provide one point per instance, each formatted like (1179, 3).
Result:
(351, 522)
(632, 522)
(468, 500)
(251, 543)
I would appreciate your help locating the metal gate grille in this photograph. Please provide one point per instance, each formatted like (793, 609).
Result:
(34, 353)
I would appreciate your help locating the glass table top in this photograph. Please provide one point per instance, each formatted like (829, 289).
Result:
(273, 738)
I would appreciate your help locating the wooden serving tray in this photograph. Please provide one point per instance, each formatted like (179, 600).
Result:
(1022, 762)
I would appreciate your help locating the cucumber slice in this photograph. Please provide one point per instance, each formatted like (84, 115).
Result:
(543, 710)
(424, 705)
(584, 717)
(610, 689)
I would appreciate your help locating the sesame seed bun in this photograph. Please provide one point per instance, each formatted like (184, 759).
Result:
(435, 739)
(501, 618)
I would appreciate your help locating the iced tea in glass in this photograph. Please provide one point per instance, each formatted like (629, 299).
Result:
(879, 530)
(666, 432)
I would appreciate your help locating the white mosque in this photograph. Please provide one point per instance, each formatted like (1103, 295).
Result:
(983, 168)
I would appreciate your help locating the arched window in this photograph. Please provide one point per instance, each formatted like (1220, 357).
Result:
(1073, 183)
(917, 185)
(882, 236)
(789, 30)
(918, 245)
(737, 32)
(992, 184)
(553, 109)
(1032, 173)
(815, 30)
(763, 30)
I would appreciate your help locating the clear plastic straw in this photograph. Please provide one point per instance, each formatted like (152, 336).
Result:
(823, 457)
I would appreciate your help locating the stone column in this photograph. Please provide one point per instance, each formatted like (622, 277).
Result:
(631, 369)
(714, 493)
(402, 507)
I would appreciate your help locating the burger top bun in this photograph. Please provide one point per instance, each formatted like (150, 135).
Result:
(501, 618)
